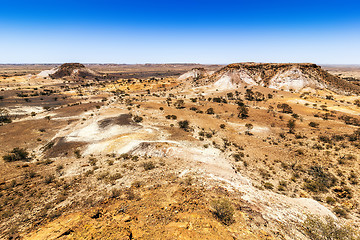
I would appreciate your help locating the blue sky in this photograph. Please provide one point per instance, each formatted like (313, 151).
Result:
(198, 31)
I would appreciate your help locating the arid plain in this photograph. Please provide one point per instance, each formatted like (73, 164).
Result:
(179, 151)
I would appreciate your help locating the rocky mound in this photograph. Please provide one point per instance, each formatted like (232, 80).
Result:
(282, 76)
(75, 70)
(195, 74)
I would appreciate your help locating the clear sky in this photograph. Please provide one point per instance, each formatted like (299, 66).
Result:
(109, 31)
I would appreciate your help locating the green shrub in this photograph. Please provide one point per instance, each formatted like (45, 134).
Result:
(321, 179)
(210, 111)
(323, 229)
(291, 125)
(268, 185)
(285, 108)
(184, 124)
(17, 154)
(238, 156)
(92, 161)
(137, 119)
(30, 174)
(179, 104)
(224, 211)
(208, 135)
(340, 212)
(59, 168)
(330, 200)
(313, 124)
(137, 184)
(49, 179)
(77, 153)
(148, 165)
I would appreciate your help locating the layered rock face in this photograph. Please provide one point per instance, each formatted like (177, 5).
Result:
(281, 76)
(195, 74)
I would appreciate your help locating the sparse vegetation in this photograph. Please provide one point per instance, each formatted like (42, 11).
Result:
(224, 211)
(148, 165)
(179, 104)
(243, 112)
(89, 153)
(291, 125)
(321, 180)
(77, 153)
(17, 154)
(313, 124)
(285, 108)
(210, 111)
(317, 228)
(184, 124)
(4, 116)
(137, 119)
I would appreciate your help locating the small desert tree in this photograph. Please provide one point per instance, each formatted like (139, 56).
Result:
(291, 125)
(179, 104)
(243, 112)
(259, 96)
(285, 108)
(168, 101)
(249, 95)
(210, 111)
(184, 124)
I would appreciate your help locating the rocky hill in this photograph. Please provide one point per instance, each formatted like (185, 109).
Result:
(286, 76)
(75, 70)
(195, 74)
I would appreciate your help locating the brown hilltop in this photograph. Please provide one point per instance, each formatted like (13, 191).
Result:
(73, 70)
(71, 66)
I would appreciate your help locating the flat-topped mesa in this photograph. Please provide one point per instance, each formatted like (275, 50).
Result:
(282, 76)
(74, 70)
(71, 66)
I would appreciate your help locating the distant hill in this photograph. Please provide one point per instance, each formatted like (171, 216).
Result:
(75, 70)
(285, 76)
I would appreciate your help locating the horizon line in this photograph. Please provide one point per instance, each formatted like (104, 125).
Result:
(171, 63)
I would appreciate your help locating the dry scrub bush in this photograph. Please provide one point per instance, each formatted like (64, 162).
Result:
(148, 165)
(321, 180)
(327, 229)
(184, 124)
(17, 154)
(224, 211)
(137, 119)
(4, 116)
